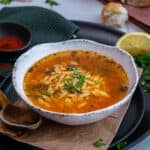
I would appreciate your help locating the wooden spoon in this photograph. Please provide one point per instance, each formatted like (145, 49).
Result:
(16, 116)
(3, 99)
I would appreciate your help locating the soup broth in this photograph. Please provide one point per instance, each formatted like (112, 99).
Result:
(75, 82)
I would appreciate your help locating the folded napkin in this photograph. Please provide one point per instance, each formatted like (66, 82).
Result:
(45, 25)
(139, 16)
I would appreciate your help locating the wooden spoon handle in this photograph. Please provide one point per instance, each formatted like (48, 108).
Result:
(4, 101)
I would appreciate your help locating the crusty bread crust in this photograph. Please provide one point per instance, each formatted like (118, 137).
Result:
(113, 7)
(114, 14)
(137, 3)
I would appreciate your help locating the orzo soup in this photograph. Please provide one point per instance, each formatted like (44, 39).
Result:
(75, 82)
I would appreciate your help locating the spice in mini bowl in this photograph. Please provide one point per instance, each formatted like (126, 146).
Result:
(10, 43)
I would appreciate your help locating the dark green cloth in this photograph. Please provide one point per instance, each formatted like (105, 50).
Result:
(45, 25)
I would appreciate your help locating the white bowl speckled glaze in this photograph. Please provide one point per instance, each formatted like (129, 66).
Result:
(26, 60)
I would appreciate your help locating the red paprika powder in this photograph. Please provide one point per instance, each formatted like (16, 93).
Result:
(10, 43)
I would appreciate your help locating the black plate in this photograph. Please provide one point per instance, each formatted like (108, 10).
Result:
(129, 124)
(135, 112)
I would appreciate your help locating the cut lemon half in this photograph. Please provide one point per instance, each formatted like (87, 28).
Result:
(135, 43)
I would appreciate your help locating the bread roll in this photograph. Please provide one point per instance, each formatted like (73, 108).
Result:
(114, 14)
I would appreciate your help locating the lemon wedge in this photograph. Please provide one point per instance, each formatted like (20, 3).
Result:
(135, 43)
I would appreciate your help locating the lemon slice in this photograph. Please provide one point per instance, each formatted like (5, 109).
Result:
(135, 43)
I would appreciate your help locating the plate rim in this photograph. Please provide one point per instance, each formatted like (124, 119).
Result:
(92, 25)
(137, 123)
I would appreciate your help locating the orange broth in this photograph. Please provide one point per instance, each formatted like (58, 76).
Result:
(114, 82)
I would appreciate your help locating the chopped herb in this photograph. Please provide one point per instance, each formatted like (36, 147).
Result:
(71, 68)
(49, 71)
(45, 92)
(5, 1)
(146, 87)
(99, 143)
(52, 2)
(123, 88)
(28, 88)
(75, 71)
(68, 85)
(38, 96)
(144, 62)
(96, 81)
(143, 83)
(36, 87)
(121, 145)
(103, 70)
(75, 82)
(80, 83)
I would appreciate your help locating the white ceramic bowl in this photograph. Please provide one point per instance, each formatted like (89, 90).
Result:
(26, 60)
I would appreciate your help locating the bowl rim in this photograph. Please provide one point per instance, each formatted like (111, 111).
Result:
(116, 105)
(28, 42)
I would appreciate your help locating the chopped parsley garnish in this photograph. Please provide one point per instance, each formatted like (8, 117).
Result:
(52, 2)
(38, 96)
(68, 85)
(36, 87)
(121, 145)
(75, 82)
(99, 143)
(45, 92)
(103, 70)
(5, 1)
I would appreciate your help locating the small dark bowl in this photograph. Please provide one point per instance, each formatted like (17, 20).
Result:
(16, 30)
